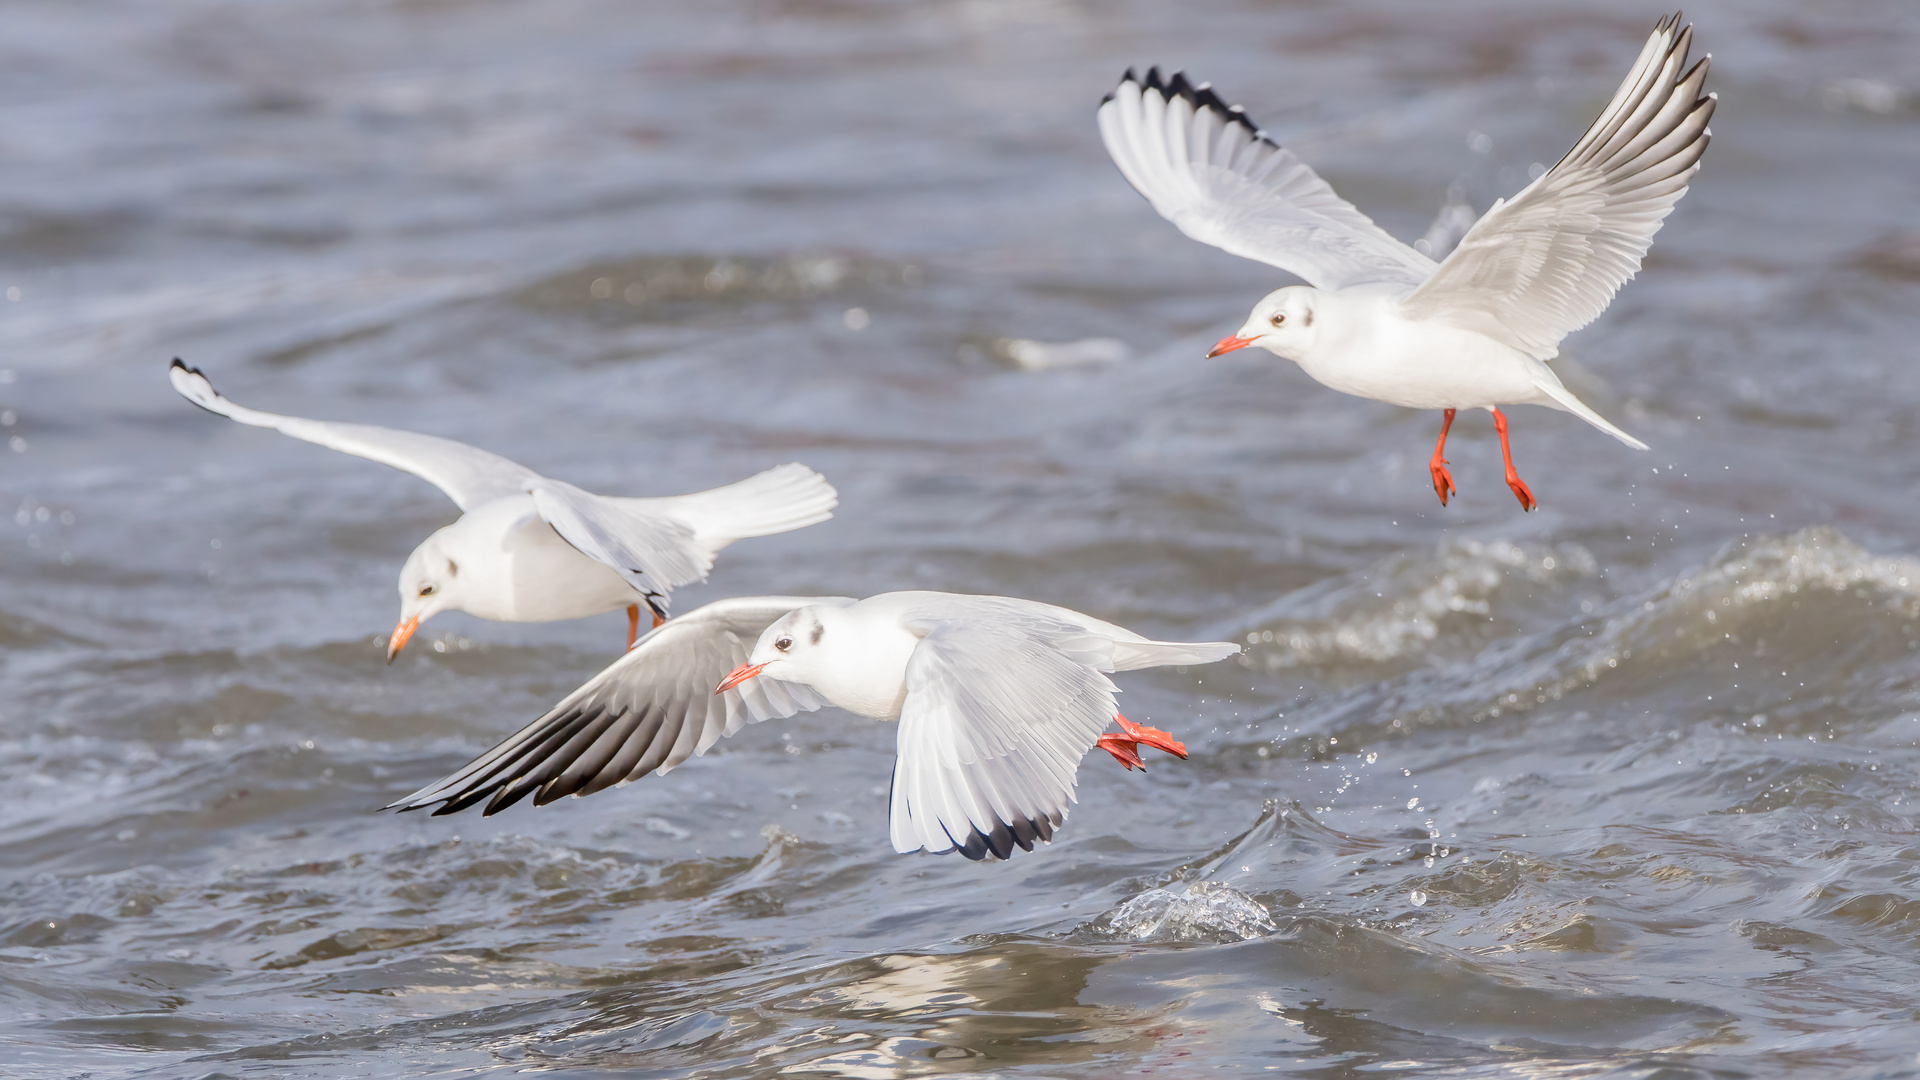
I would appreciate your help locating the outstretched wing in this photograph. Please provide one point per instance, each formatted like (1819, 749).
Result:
(1206, 168)
(1537, 268)
(468, 475)
(650, 710)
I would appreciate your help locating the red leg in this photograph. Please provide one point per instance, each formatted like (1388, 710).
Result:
(1520, 491)
(633, 624)
(1442, 479)
(658, 620)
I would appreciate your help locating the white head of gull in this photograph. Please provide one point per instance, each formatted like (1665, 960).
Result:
(531, 549)
(1379, 319)
(997, 701)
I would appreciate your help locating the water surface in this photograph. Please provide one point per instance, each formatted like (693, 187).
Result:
(1622, 787)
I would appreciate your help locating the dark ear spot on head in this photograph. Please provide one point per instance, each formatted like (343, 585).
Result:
(1307, 319)
(453, 568)
(817, 631)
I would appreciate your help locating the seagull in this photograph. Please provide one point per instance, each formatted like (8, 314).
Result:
(1380, 320)
(531, 549)
(997, 700)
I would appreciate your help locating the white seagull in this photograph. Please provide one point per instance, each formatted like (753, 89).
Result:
(997, 701)
(1379, 319)
(531, 549)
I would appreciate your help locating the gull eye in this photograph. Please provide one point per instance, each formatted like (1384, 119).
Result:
(783, 644)
(1279, 318)
(426, 590)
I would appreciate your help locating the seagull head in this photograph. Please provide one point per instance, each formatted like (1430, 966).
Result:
(429, 584)
(789, 650)
(1281, 323)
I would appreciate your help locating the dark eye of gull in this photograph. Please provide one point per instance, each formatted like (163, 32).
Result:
(1279, 318)
(783, 644)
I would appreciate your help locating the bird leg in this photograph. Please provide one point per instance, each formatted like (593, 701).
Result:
(633, 621)
(1520, 490)
(1125, 747)
(1442, 479)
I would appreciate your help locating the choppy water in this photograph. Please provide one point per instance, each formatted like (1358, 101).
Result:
(1623, 787)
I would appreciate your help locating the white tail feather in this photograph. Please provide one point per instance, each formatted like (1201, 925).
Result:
(1551, 387)
(782, 498)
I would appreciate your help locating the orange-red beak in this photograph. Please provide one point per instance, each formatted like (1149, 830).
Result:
(401, 635)
(1228, 344)
(737, 676)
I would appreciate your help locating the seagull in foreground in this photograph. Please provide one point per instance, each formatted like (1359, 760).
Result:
(1379, 319)
(531, 549)
(997, 701)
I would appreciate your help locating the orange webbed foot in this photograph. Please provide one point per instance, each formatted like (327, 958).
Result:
(1152, 736)
(1124, 750)
(1521, 492)
(1442, 480)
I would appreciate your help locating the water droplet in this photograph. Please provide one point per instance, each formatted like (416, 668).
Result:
(857, 318)
(1417, 898)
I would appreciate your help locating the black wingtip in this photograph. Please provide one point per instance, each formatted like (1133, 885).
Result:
(1200, 97)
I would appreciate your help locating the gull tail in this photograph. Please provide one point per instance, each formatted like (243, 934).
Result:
(1549, 384)
(1133, 655)
(782, 498)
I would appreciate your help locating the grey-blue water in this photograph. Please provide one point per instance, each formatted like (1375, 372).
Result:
(1623, 787)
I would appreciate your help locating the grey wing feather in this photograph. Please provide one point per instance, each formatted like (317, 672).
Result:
(647, 712)
(470, 476)
(1004, 697)
(1206, 168)
(996, 720)
(1548, 262)
(652, 551)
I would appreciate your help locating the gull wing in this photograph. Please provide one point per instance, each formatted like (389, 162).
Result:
(470, 476)
(652, 551)
(648, 711)
(1003, 699)
(1205, 167)
(1533, 270)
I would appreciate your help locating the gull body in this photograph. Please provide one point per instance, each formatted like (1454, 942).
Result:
(1378, 319)
(528, 548)
(1359, 341)
(997, 699)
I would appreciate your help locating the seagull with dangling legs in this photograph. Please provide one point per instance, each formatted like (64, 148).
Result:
(997, 700)
(531, 549)
(1380, 320)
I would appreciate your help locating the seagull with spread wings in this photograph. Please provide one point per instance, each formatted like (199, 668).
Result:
(1380, 320)
(532, 549)
(997, 701)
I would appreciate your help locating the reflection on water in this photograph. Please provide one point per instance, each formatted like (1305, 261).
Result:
(1623, 787)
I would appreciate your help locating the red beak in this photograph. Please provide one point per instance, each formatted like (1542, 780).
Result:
(401, 635)
(1228, 344)
(737, 676)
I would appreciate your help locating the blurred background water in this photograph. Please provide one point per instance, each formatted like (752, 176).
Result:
(1623, 787)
